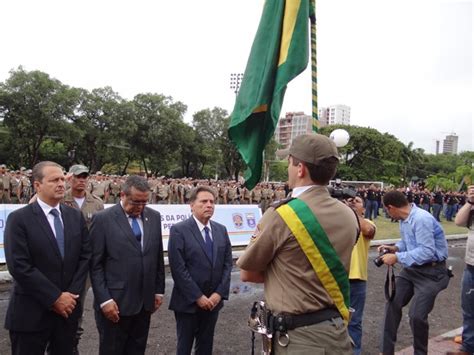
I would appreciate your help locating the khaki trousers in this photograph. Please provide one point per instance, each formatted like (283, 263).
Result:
(328, 337)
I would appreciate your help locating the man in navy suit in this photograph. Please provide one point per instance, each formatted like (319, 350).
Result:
(200, 257)
(47, 251)
(127, 270)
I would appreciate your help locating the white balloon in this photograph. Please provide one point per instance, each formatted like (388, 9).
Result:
(340, 137)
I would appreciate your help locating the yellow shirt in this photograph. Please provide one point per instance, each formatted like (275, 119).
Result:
(360, 254)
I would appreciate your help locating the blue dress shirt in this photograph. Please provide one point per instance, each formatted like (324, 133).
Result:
(422, 239)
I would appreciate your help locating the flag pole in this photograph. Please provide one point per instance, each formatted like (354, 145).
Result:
(314, 71)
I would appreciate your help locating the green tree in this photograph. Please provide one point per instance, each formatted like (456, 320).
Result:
(102, 121)
(159, 135)
(210, 128)
(34, 107)
(219, 153)
(370, 155)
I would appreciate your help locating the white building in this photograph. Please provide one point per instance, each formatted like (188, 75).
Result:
(335, 114)
(450, 144)
(292, 125)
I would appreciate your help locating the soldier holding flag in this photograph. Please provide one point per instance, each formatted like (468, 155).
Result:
(301, 252)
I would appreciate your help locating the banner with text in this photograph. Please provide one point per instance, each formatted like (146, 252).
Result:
(240, 220)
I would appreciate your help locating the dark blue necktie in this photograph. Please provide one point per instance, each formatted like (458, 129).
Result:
(208, 243)
(59, 229)
(136, 229)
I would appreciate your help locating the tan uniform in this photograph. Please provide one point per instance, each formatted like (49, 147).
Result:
(162, 193)
(280, 195)
(5, 193)
(90, 185)
(115, 188)
(25, 189)
(187, 192)
(214, 190)
(291, 286)
(222, 198)
(101, 189)
(232, 195)
(256, 195)
(152, 183)
(174, 193)
(267, 198)
(91, 205)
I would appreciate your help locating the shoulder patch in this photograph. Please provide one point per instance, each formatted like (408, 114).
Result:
(255, 235)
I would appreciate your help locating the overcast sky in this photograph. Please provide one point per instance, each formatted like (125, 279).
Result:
(403, 66)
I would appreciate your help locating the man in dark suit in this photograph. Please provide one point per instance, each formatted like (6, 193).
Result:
(47, 251)
(200, 257)
(127, 270)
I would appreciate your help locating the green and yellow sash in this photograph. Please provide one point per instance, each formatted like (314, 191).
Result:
(318, 249)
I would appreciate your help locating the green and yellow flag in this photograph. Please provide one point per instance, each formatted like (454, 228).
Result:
(279, 53)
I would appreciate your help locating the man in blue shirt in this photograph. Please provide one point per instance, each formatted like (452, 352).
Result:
(422, 251)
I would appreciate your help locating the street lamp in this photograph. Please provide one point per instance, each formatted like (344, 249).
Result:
(235, 80)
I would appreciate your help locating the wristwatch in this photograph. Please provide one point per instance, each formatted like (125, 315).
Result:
(470, 202)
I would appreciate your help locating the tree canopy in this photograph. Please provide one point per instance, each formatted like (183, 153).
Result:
(42, 118)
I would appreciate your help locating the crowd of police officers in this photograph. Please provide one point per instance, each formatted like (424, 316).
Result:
(16, 187)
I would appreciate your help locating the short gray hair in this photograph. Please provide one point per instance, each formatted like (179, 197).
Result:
(38, 169)
(138, 182)
(202, 188)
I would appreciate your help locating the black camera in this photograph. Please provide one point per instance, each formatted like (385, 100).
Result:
(341, 192)
(378, 260)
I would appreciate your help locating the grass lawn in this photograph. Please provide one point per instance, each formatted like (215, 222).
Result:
(390, 230)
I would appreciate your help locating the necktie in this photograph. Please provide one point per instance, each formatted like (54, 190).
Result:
(136, 229)
(208, 243)
(59, 229)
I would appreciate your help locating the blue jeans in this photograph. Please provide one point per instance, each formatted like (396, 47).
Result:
(467, 303)
(437, 210)
(449, 212)
(358, 293)
(370, 209)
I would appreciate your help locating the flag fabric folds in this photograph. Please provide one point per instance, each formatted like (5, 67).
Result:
(279, 53)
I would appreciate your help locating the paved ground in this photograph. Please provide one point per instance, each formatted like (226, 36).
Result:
(233, 336)
(438, 345)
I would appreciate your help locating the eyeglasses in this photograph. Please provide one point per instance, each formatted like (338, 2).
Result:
(137, 203)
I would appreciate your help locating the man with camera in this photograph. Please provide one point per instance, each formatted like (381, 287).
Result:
(291, 249)
(422, 251)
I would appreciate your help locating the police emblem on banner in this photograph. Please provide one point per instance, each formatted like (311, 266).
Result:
(250, 219)
(238, 220)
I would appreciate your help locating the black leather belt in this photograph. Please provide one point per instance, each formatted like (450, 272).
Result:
(433, 263)
(284, 322)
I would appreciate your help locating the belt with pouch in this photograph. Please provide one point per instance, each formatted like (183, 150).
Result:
(285, 322)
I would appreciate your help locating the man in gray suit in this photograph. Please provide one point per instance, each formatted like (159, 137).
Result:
(127, 270)
(200, 257)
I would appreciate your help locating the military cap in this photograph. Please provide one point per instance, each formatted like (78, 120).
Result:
(79, 169)
(313, 147)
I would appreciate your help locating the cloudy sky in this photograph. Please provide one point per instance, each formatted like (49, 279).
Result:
(404, 66)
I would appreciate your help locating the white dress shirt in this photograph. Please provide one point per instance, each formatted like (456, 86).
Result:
(46, 210)
(201, 229)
